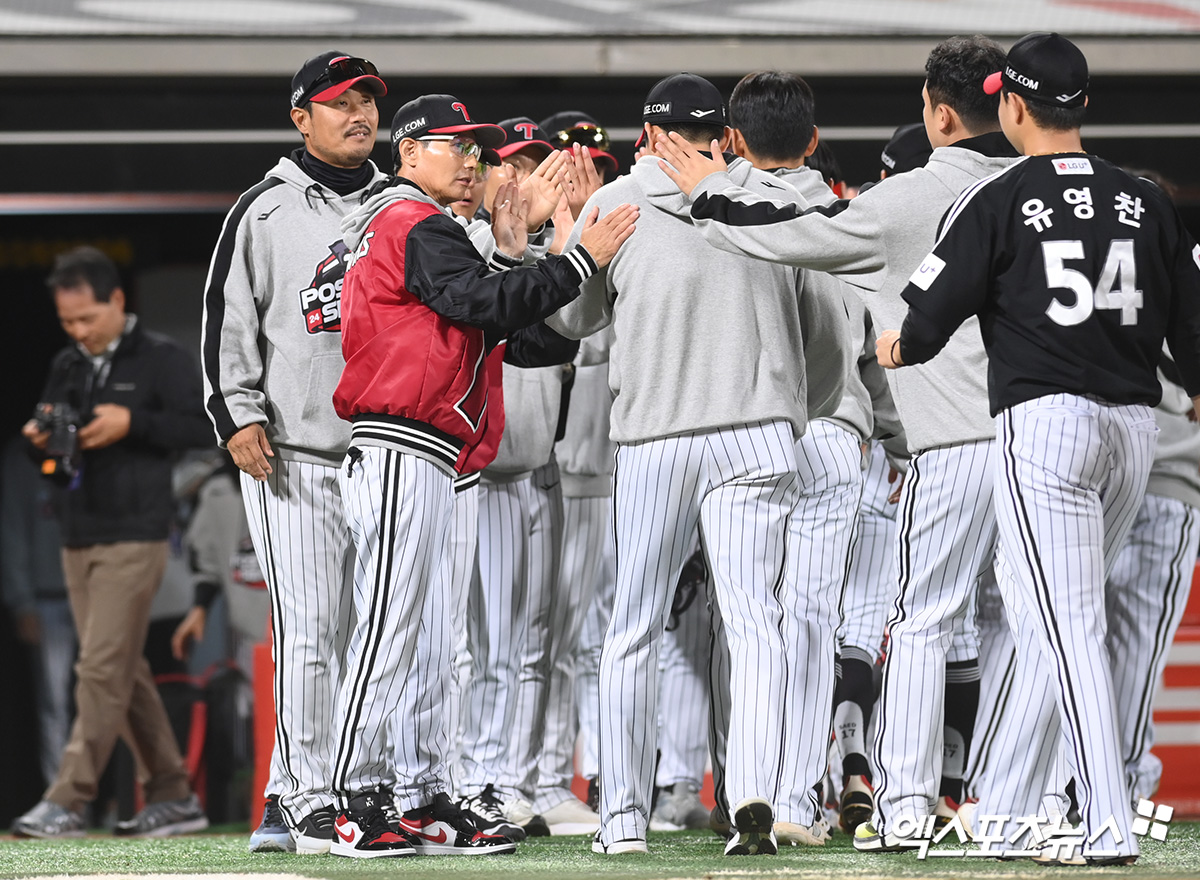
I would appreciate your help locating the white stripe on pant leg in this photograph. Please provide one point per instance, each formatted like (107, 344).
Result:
(301, 540)
(591, 639)
(750, 478)
(541, 605)
(495, 630)
(655, 499)
(946, 538)
(820, 532)
(585, 527)
(1146, 595)
(400, 507)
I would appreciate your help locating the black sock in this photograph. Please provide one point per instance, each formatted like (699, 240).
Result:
(962, 703)
(854, 703)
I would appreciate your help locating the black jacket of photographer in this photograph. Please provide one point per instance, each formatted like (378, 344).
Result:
(124, 490)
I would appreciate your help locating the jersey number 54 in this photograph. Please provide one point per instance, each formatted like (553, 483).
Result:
(1116, 288)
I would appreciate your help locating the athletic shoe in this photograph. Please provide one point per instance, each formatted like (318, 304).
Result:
(165, 819)
(314, 835)
(867, 839)
(679, 809)
(486, 812)
(1064, 853)
(857, 804)
(718, 823)
(593, 798)
(754, 821)
(387, 803)
(537, 826)
(442, 829)
(361, 831)
(572, 817)
(620, 847)
(272, 833)
(791, 834)
(519, 811)
(49, 821)
(944, 812)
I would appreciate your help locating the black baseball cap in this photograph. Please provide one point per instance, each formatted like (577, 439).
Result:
(522, 133)
(683, 97)
(568, 127)
(909, 148)
(443, 114)
(325, 76)
(1043, 67)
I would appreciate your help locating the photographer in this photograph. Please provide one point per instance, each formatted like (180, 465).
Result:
(130, 399)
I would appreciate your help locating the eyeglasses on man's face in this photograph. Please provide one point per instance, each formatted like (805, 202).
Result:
(465, 148)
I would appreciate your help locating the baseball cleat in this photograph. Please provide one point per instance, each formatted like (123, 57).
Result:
(867, 839)
(361, 831)
(754, 832)
(572, 817)
(442, 829)
(857, 803)
(486, 812)
(619, 847)
(944, 812)
(791, 834)
(272, 833)
(679, 809)
(719, 823)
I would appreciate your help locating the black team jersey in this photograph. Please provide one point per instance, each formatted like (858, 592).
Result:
(1077, 271)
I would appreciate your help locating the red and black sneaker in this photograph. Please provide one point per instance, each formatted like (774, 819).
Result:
(441, 829)
(362, 831)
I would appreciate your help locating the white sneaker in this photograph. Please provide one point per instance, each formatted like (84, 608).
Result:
(572, 817)
(619, 847)
(791, 834)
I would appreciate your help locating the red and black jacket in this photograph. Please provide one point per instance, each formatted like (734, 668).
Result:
(420, 311)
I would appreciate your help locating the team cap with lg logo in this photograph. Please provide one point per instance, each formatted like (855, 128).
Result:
(684, 97)
(522, 133)
(1044, 67)
(323, 77)
(442, 114)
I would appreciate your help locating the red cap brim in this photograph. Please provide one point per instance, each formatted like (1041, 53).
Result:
(377, 88)
(993, 83)
(489, 136)
(516, 146)
(600, 155)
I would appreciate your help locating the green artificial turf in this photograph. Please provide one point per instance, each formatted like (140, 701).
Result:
(679, 855)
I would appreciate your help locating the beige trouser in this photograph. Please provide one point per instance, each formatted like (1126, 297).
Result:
(111, 587)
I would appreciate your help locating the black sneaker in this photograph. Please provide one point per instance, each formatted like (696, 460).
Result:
(165, 819)
(593, 798)
(362, 831)
(486, 812)
(314, 834)
(537, 826)
(442, 829)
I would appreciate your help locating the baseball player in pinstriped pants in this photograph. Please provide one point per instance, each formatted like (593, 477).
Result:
(945, 522)
(706, 441)
(273, 288)
(1070, 377)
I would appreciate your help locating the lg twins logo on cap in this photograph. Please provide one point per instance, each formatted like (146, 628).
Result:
(1072, 166)
(526, 128)
(662, 107)
(461, 108)
(403, 131)
(931, 267)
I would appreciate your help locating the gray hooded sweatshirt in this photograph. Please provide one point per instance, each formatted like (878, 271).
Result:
(876, 241)
(272, 341)
(702, 339)
(1176, 469)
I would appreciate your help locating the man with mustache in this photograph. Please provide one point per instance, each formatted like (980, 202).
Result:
(272, 355)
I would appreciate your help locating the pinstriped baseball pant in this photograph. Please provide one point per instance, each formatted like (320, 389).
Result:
(946, 535)
(399, 509)
(298, 528)
(738, 486)
(1070, 475)
(1146, 595)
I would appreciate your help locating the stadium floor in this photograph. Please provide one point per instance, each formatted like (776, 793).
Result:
(677, 855)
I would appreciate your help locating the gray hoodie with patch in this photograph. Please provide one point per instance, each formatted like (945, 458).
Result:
(876, 241)
(702, 339)
(272, 341)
